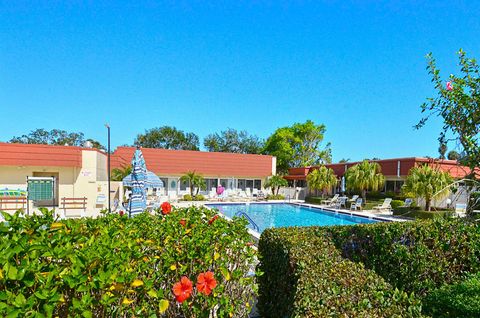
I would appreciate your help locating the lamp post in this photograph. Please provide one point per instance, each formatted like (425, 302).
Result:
(108, 165)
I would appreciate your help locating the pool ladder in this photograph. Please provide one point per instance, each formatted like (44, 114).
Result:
(249, 219)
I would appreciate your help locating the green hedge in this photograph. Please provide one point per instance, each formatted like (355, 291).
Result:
(115, 266)
(305, 275)
(413, 256)
(417, 213)
(460, 300)
(355, 271)
(314, 200)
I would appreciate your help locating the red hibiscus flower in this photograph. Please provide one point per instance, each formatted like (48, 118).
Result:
(183, 222)
(166, 208)
(183, 289)
(213, 219)
(121, 213)
(206, 282)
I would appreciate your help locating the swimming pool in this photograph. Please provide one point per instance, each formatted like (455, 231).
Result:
(283, 214)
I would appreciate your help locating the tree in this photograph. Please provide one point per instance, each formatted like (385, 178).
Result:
(453, 155)
(458, 102)
(298, 146)
(427, 183)
(322, 179)
(96, 144)
(119, 173)
(167, 137)
(275, 183)
(194, 180)
(442, 150)
(365, 176)
(231, 140)
(52, 137)
(343, 160)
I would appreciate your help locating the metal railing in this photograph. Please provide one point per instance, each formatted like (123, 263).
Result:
(249, 219)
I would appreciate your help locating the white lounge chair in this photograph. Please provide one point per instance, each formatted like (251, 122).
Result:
(357, 204)
(353, 199)
(340, 202)
(330, 201)
(385, 206)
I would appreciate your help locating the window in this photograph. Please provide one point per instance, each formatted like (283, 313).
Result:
(249, 184)
(258, 184)
(241, 184)
(183, 185)
(211, 183)
(224, 183)
(390, 186)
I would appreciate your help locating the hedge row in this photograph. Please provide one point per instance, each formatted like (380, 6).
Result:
(417, 213)
(413, 256)
(305, 275)
(461, 300)
(183, 263)
(371, 270)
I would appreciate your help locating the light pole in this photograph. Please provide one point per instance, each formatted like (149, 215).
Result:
(108, 165)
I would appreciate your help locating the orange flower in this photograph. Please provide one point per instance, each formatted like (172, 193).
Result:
(183, 222)
(206, 282)
(166, 208)
(213, 219)
(183, 289)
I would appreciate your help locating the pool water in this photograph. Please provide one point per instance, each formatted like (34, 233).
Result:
(283, 214)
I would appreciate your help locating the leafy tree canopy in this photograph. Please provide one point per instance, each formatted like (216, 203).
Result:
(55, 137)
(231, 140)
(275, 183)
(457, 103)
(167, 137)
(453, 155)
(323, 179)
(298, 146)
(194, 180)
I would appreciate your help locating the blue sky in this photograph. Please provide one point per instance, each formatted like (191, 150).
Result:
(358, 67)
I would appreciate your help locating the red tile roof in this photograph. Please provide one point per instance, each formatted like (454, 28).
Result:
(40, 155)
(215, 164)
(389, 167)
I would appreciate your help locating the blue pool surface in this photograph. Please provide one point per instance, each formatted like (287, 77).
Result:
(283, 214)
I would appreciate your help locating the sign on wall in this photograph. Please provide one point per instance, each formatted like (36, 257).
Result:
(40, 189)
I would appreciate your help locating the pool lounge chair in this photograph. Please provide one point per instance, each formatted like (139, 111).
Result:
(340, 202)
(357, 205)
(408, 202)
(385, 206)
(330, 201)
(353, 199)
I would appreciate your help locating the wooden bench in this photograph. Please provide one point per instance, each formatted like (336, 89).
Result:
(13, 203)
(73, 204)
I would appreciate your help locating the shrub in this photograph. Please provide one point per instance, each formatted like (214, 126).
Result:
(116, 266)
(314, 200)
(187, 197)
(396, 203)
(413, 256)
(275, 197)
(199, 197)
(460, 300)
(417, 213)
(305, 275)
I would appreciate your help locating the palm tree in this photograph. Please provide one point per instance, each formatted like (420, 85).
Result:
(322, 179)
(427, 183)
(365, 176)
(194, 180)
(275, 182)
(119, 173)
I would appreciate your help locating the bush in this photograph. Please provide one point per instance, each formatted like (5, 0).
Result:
(314, 200)
(275, 197)
(116, 266)
(305, 275)
(417, 213)
(460, 300)
(396, 203)
(198, 197)
(413, 256)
